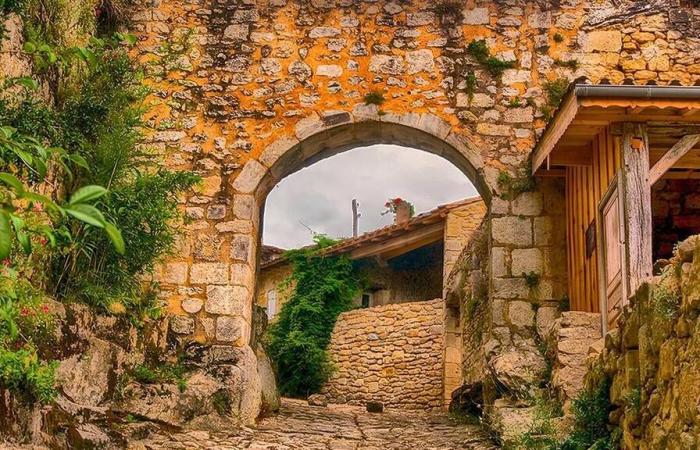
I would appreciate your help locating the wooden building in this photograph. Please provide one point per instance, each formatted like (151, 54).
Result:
(630, 158)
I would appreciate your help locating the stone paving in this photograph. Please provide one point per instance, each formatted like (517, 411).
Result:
(336, 427)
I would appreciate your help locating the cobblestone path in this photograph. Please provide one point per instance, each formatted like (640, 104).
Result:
(299, 426)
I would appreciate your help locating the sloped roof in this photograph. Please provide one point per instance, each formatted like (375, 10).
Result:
(418, 222)
(587, 107)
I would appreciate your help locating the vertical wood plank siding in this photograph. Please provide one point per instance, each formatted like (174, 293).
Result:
(585, 186)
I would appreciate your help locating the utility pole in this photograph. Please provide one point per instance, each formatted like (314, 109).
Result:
(355, 217)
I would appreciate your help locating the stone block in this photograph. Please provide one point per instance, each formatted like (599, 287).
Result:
(243, 206)
(476, 16)
(388, 65)
(329, 70)
(498, 262)
(528, 204)
(490, 129)
(600, 41)
(274, 151)
(241, 247)
(227, 300)
(519, 115)
(247, 181)
(192, 305)
(521, 314)
(229, 329)
(420, 61)
(546, 316)
(524, 261)
(510, 288)
(511, 230)
(182, 324)
(543, 230)
(175, 273)
(209, 273)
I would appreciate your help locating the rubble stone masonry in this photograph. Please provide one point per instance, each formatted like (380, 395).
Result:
(391, 354)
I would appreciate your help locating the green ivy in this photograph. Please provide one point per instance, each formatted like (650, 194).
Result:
(324, 287)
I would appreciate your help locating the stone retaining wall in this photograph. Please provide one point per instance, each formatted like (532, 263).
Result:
(391, 354)
(653, 359)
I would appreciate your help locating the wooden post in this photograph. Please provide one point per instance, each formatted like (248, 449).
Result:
(355, 217)
(636, 199)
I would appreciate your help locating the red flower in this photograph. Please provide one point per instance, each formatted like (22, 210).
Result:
(6, 262)
(43, 240)
(45, 308)
(24, 312)
(38, 207)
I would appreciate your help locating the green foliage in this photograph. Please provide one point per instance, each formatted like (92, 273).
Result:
(532, 279)
(25, 321)
(666, 296)
(471, 82)
(591, 409)
(555, 90)
(558, 38)
(541, 434)
(480, 51)
(374, 98)
(564, 304)
(512, 186)
(633, 400)
(22, 371)
(164, 373)
(448, 8)
(570, 64)
(222, 402)
(12, 6)
(324, 288)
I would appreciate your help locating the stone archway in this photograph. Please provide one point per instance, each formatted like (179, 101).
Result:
(320, 137)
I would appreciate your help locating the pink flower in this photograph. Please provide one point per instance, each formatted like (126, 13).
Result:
(38, 207)
(43, 240)
(6, 262)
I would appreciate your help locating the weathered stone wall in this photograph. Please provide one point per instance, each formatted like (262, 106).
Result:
(460, 225)
(239, 85)
(468, 314)
(272, 279)
(247, 92)
(570, 340)
(653, 359)
(391, 354)
(676, 209)
(528, 241)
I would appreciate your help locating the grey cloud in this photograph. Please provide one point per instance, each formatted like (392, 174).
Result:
(320, 196)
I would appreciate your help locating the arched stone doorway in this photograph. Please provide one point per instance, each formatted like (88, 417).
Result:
(321, 137)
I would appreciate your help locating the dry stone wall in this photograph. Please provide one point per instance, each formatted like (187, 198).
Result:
(391, 354)
(653, 359)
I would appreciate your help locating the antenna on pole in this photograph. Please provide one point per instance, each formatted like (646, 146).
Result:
(355, 216)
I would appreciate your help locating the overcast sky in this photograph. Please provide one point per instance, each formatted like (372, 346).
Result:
(320, 196)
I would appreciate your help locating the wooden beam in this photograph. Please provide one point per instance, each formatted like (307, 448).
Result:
(672, 156)
(681, 175)
(551, 173)
(406, 242)
(636, 201)
(572, 156)
(555, 131)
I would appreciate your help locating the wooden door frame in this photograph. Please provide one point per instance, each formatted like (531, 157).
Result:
(616, 186)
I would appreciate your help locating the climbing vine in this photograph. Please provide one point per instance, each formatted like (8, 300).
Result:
(324, 288)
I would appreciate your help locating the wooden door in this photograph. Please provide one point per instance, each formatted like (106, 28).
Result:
(612, 256)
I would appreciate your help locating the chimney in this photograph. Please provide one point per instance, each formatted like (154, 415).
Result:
(403, 212)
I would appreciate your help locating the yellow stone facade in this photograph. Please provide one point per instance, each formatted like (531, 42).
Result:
(246, 92)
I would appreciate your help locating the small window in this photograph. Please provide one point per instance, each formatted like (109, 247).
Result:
(366, 300)
(271, 304)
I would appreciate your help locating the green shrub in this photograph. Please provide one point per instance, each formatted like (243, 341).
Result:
(162, 373)
(532, 279)
(512, 186)
(480, 51)
(374, 98)
(22, 372)
(591, 410)
(324, 288)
